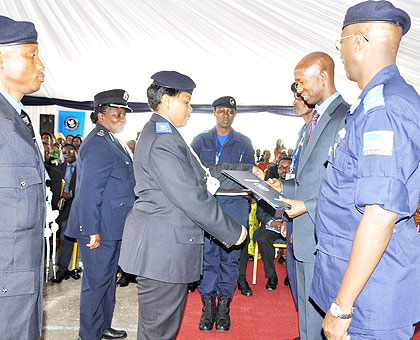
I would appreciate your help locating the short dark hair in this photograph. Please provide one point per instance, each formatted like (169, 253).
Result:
(78, 137)
(156, 92)
(48, 134)
(284, 159)
(71, 145)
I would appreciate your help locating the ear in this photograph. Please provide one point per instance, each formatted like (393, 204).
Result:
(324, 76)
(165, 101)
(360, 42)
(1, 58)
(101, 116)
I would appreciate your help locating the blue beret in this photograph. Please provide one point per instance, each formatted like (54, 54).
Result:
(226, 101)
(113, 98)
(17, 32)
(377, 11)
(174, 80)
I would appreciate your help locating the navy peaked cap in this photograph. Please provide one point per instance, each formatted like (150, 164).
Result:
(174, 80)
(293, 87)
(113, 98)
(226, 101)
(17, 32)
(377, 11)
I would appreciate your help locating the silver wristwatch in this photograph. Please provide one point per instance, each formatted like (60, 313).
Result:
(338, 313)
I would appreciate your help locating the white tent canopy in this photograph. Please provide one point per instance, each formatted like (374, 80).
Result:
(244, 48)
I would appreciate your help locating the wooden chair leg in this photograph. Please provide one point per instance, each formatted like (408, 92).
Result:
(254, 273)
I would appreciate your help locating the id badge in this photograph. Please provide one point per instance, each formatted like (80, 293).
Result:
(290, 176)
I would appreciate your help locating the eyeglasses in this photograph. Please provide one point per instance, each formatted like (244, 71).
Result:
(339, 41)
(67, 152)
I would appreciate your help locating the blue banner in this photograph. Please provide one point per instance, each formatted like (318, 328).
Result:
(71, 122)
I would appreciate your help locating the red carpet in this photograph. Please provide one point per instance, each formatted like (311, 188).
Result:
(267, 315)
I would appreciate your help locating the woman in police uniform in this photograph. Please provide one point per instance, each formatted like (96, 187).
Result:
(104, 196)
(163, 236)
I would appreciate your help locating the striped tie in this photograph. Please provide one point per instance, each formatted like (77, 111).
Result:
(315, 117)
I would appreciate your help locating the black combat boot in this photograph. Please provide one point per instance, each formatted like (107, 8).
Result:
(209, 314)
(222, 314)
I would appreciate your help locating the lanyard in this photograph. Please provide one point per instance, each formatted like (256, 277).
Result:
(297, 150)
(218, 153)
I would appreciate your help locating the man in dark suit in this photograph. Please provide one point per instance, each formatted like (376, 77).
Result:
(104, 196)
(54, 178)
(314, 76)
(22, 185)
(163, 236)
(272, 228)
(68, 174)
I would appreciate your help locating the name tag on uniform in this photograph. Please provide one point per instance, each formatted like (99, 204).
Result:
(379, 142)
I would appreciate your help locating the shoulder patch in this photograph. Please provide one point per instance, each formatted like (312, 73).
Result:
(380, 142)
(374, 98)
(100, 133)
(163, 127)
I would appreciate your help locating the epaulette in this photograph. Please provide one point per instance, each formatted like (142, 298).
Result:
(100, 133)
(374, 98)
(163, 127)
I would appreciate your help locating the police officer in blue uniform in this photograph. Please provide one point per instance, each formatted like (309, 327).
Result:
(22, 185)
(104, 196)
(367, 268)
(222, 144)
(163, 236)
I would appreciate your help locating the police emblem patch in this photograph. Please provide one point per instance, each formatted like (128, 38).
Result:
(100, 133)
(379, 142)
(163, 128)
(71, 123)
(232, 101)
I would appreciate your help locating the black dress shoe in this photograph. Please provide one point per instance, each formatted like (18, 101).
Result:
(272, 283)
(244, 287)
(112, 333)
(62, 274)
(125, 279)
(192, 286)
(282, 260)
(287, 283)
(75, 273)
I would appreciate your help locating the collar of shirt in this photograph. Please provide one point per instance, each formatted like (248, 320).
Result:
(100, 126)
(324, 106)
(12, 101)
(379, 78)
(168, 121)
(72, 165)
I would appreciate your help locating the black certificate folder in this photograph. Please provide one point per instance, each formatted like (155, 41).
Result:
(260, 188)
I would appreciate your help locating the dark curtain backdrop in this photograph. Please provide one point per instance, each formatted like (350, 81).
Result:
(142, 107)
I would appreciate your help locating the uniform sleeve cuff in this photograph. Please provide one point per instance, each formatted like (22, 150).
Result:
(387, 192)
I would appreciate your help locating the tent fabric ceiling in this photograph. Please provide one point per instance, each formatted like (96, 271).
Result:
(244, 48)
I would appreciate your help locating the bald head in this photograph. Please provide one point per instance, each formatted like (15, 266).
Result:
(321, 59)
(367, 48)
(314, 75)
